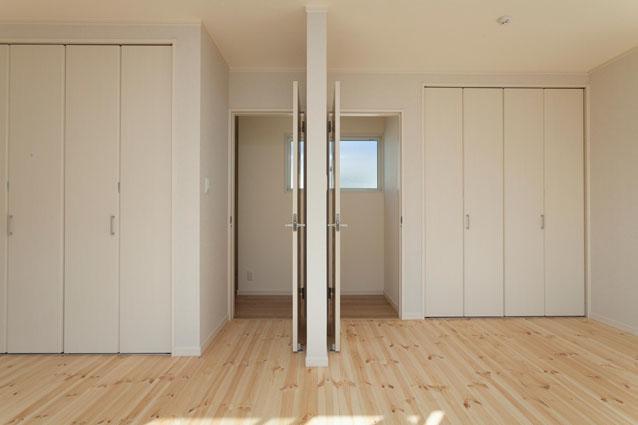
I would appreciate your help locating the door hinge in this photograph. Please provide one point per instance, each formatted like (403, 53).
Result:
(329, 126)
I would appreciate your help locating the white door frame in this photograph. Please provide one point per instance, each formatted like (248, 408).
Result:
(237, 112)
(233, 113)
(345, 112)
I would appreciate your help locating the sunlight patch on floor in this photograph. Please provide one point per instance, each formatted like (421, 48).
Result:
(435, 418)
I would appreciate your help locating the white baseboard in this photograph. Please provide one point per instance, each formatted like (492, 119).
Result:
(187, 351)
(209, 339)
(316, 361)
(360, 292)
(197, 351)
(614, 323)
(343, 292)
(263, 293)
(391, 302)
(412, 316)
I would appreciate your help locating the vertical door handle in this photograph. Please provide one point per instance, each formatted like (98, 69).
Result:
(542, 221)
(112, 225)
(10, 225)
(467, 221)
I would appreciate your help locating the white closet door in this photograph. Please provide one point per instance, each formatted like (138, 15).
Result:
(91, 306)
(35, 264)
(443, 202)
(524, 221)
(483, 180)
(564, 203)
(4, 107)
(145, 236)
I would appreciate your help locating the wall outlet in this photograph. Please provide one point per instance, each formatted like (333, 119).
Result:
(249, 275)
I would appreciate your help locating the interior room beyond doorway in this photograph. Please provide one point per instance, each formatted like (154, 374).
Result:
(370, 181)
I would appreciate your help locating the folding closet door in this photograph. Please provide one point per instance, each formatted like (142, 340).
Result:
(483, 201)
(35, 242)
(145, 202)
(91, 199)
(443, 130)
(564, 203)
(4, 108)
(524, 221)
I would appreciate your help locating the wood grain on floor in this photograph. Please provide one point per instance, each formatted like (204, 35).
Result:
(451, 371)
(280, 306)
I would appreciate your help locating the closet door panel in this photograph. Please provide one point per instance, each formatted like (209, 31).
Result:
(564, 203)
(4, 108)
(145, 241)
(524, 262)
(35, 247)
(443, 202)
(483, 199)
(91, 199)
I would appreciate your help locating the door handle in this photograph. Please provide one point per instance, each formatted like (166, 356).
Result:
(295, 225)
(338, 224)
(112, 225)
(542, 221)
(467, 222)
(10, 225)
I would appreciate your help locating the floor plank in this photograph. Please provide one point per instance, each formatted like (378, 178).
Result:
(280, 307)
(490, 371)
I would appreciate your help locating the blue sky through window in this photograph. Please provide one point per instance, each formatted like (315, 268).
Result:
(359, 164)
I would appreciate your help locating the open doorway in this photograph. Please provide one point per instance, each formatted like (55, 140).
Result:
(370, 160)
(263, 195)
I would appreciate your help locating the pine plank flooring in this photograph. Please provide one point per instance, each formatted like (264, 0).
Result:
(280, 306)
(449, 371)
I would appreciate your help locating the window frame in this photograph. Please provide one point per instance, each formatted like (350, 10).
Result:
(353, 137)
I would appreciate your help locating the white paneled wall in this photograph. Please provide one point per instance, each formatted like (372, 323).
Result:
(524, 240)
(145, 241)
(35, 201)
(89, 199)
(92, 168)
(504, 207)
(483, 201)
(443, 130)
(564, 199)
(4, 108)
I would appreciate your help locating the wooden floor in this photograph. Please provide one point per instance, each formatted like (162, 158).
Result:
(275, 306)
(490, 371)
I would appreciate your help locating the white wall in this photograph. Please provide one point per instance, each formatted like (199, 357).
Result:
(400, 92)
(213, 292)
(187, 81)
(264, 206)
(614, 192)
(392, 208)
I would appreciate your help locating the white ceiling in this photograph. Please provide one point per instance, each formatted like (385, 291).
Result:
(384, 35)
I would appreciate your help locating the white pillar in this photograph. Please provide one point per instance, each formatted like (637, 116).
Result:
(316, 145)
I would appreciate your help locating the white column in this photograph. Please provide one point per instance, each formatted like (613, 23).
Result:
(316, 144)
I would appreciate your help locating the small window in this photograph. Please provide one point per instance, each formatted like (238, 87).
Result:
(359, 163)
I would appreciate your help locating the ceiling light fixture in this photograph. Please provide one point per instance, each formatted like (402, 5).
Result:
(504, 20)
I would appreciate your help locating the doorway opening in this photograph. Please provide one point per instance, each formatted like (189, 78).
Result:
(262, 199)
(370, 183)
